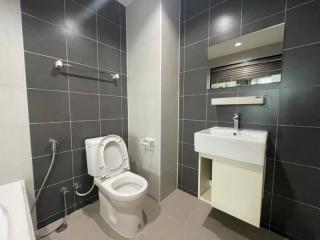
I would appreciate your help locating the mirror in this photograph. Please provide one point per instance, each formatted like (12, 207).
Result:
(255, 58)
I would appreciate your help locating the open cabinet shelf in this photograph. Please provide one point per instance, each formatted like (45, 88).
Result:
(205, 180)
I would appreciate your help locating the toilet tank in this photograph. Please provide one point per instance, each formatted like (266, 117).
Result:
(92, 145)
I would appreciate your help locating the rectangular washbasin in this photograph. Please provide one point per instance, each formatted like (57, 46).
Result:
(243, 145)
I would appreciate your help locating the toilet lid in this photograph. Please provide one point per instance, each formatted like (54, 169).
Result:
(113, 156)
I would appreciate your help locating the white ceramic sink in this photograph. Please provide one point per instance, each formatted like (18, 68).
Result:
(243, 145)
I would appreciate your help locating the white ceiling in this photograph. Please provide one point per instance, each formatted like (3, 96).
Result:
(125, 2)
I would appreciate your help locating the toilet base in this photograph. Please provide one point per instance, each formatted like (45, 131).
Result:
(125, 218)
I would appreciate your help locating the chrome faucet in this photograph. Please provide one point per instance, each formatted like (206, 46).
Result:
(236, 118)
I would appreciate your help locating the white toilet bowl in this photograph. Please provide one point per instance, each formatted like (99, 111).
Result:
(121, 192)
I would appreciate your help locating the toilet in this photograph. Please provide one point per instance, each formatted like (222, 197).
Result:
(121, 192)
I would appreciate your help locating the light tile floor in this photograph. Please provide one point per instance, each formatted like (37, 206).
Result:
(179, 216)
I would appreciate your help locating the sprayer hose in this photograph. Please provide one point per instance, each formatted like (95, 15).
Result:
(86, 193)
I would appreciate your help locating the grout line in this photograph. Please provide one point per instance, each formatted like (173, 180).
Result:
(300, 46)
(194, 69)
(98, 65)
(72, 92)
(183, 87)
(77, 121)
(196, 15)
(298, 164)
(299, 5)
(274, 163)
(49, 155)
(69, 105)
(293, 200)
(96, 13)
(194, 43)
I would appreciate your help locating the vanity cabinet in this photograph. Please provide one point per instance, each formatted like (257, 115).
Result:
(232, 186)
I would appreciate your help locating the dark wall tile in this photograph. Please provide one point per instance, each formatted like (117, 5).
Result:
(44, 38)
(80, 20)
(124, 91)
(180, 153)
(297, 106)
(180, 175)
(82, 131)
(293, 3)
(83, 79)
(268, 178)
(299, 145)
(181, 80)
(197, 28)
(194, 7)
(47, 207)
(190, 179)
(47, 106)
(41, 133)
(113, 127)
(123, 17)
(61, 169)
(49, 10)
(108, 33)
(123, 42)
(294, 218)
(182, 60)
(195, 107)
(109, 58)
(84, 106)
(82, 50)
(181, 107)
(88, 4)
(265, 211)
(79, 162)
(196, 56)
(261, 114)
(110, 107)
(190, 127)
(263, 23)
(125, 129)
(183, 10)
(195, 82)
(182, 34)
(253, 10)
(123, 63)
(124, 107)
(215, 2)
(220, 113)
(291, 181)
(225, 17)
(302, 25)
(110, 10)
(301, 73)
(41, 73)
(190, 157)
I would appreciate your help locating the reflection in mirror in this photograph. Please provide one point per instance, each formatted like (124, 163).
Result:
(252, 59)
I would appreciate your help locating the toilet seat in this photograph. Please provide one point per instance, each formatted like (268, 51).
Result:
(115, 180)
(112, 156)
(124, 187)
